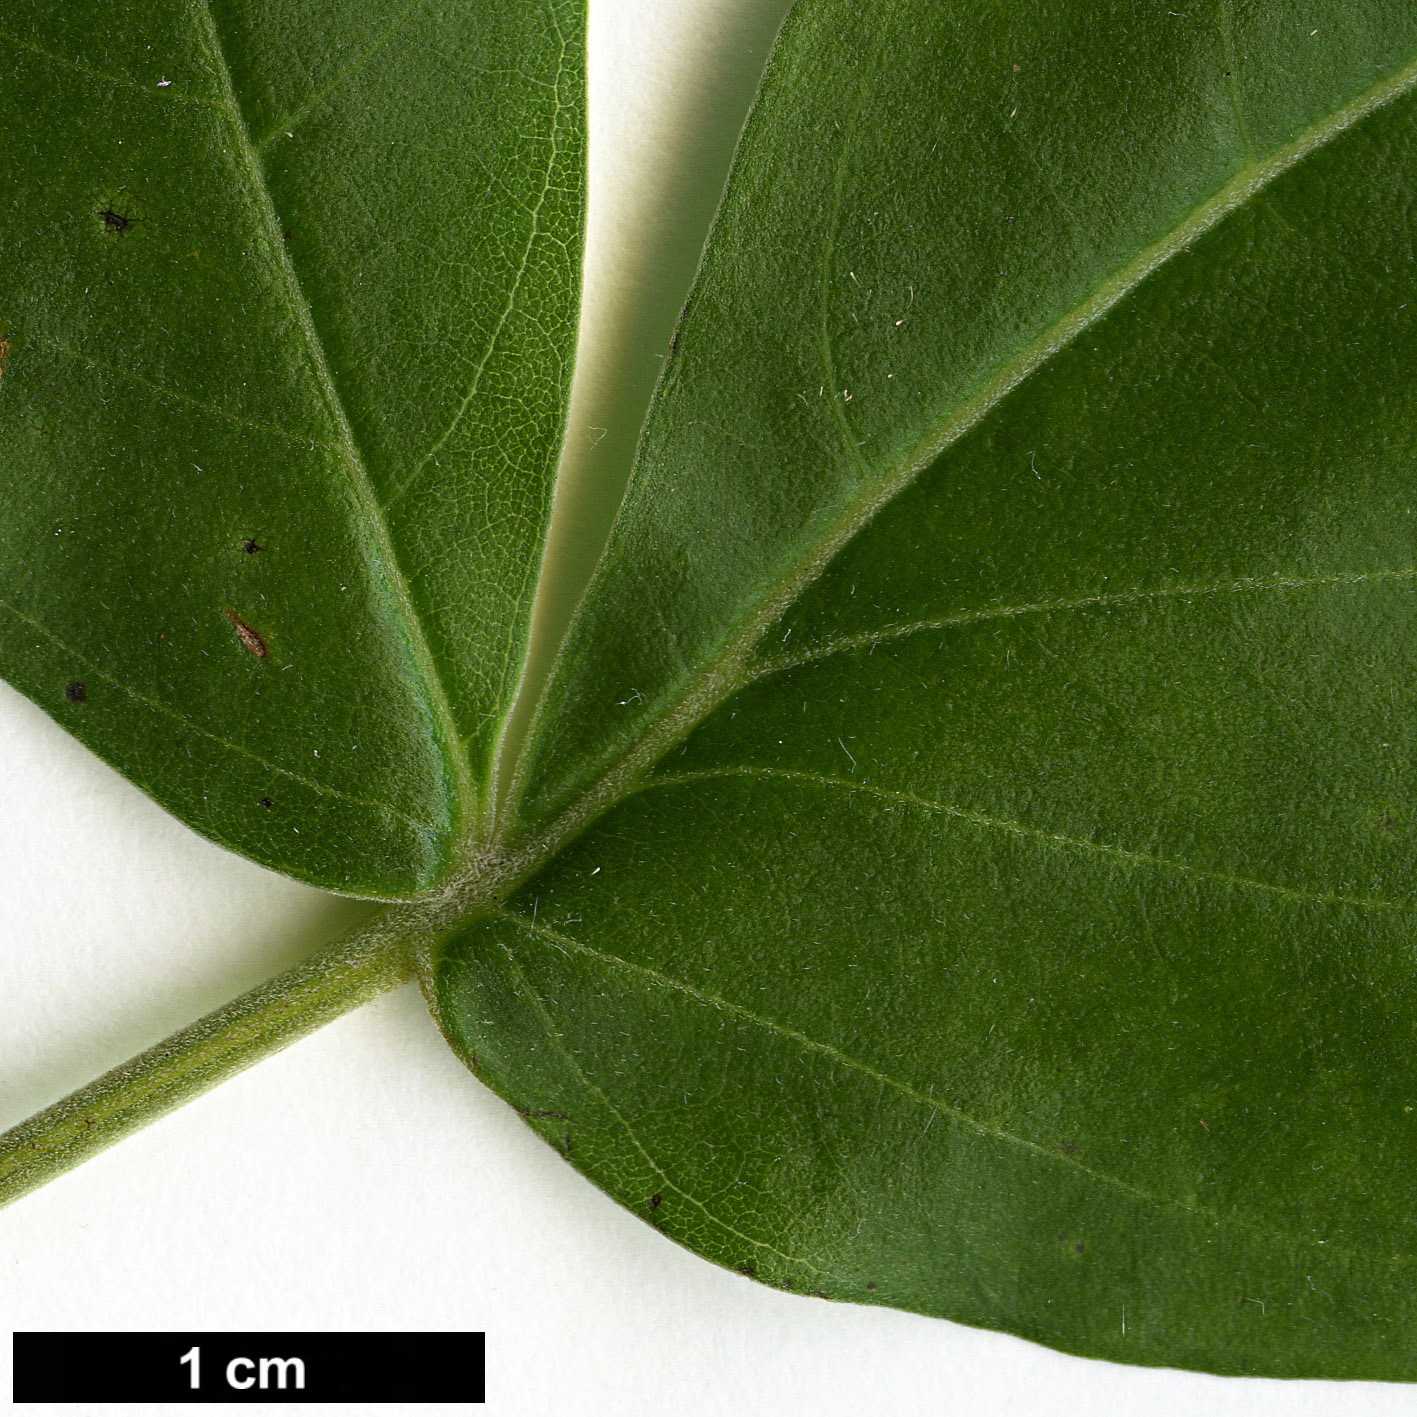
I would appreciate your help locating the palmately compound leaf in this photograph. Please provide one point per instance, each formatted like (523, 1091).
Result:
(963, 857)
(987, 749)
(288, 297)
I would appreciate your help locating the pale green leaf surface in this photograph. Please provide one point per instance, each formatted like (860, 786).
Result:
(1001, 900)
(330, 315)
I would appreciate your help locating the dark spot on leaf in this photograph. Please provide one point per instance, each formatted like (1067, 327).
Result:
(870, 1284)
(747, 1271)
(1068, 1148)
(114, 221)
(1078, 1247)
(265, 802)
(655, 1200)
(786, 1284)
(1386, 822)
(1062, 1239)
(285, 235)
(250, 546)
(4, 350)
(75, 692)
(246, 634)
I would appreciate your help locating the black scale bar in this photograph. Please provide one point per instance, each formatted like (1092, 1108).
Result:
(250, 1367)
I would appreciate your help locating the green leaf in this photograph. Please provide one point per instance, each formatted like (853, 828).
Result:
(289, 305)
(980, 778)
(961, 859)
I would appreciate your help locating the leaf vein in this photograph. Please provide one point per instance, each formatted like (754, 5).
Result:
(914, 1094)
(1237, 109)
(385, 553)
(869, 639)
(534, 230)
(558, 1040)
(169, 94)
(167, 391)
(729, 670)
(1049, 839)
(287, 123)
(838, 397)
(157, 706)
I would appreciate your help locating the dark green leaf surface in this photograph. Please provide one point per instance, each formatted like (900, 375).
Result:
(999, 697)
(288, 294)
(967, 839)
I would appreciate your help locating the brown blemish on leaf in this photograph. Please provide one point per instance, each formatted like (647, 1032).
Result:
(246, 634)
(114, 221)
(251, 546)
(75, 692)
(265, 802)
(655, 1201)
(1067, 1147)
(4, 352)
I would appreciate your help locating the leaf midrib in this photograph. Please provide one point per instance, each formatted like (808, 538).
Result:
(729, 671)
(376, 524)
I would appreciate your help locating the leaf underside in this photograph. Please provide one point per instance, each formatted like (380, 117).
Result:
(289, 296)
(1023, 537)
(978, 786)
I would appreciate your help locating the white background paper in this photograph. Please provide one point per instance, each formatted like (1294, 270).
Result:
(362, 1179)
